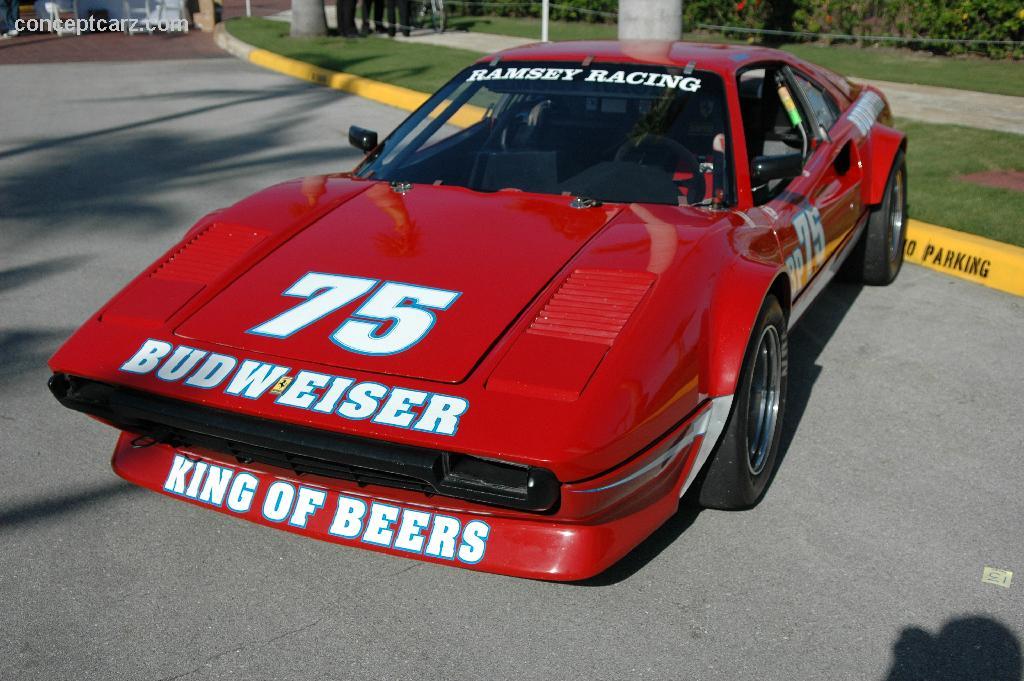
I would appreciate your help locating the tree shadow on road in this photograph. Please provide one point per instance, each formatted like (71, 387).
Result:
(15, 277)
(24, 350)
(138, 177)
(237, 98)
(73, 502)
(973, 648)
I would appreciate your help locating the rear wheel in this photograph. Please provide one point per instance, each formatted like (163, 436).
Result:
(877, 259)
(744, 461)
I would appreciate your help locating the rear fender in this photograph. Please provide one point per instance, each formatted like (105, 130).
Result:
(882, 145)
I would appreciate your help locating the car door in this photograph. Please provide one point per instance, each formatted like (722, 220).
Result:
(834, 167)
(819, 209)
(833, 171)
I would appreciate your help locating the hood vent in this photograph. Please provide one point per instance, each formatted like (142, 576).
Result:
(592, 305)
(209, 253)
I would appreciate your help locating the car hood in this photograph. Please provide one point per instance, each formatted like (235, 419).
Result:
(497, 251)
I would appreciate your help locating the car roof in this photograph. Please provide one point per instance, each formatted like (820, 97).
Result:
(721, 58)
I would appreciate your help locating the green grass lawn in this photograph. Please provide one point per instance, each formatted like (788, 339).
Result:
(1004, 77)
(938, 154)
(1001, 77)
(419, 67)
(530, 28)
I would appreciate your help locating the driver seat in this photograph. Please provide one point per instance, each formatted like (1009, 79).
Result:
(519, 164)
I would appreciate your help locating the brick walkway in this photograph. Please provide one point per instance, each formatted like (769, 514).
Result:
(47, 48)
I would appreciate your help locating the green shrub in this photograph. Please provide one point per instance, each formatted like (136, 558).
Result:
(935, 19)
(561, 10)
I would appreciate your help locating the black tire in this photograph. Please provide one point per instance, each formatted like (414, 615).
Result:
(744, 462)
(877, 258)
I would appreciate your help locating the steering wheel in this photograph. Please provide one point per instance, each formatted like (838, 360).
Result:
(523, 125)
(669, 155)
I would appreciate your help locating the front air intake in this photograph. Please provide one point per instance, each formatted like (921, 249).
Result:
(311, 451)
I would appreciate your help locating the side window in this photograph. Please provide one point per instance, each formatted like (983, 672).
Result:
(774, 124)
(824, 107)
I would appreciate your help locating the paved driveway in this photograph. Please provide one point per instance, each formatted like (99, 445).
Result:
(901, 481)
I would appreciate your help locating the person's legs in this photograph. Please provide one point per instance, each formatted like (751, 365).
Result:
(346, 10)
(9, 16)
(391, 11)
(364, 17)
(403, 16)
(378, 15)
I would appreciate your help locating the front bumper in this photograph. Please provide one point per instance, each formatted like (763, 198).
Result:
(594, 524)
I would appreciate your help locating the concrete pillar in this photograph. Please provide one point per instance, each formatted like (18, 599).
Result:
(650, 19)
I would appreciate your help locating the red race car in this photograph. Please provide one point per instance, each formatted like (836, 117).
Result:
(555, 299)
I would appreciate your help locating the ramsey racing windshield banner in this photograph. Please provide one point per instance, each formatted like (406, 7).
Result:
(637, 77)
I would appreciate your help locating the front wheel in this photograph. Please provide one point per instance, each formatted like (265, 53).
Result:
(742, 466)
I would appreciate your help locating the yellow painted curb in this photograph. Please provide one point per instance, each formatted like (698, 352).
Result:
(983, 261)
(385, 93)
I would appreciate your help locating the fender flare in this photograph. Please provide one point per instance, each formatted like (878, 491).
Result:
(735, 304)
(882, 144)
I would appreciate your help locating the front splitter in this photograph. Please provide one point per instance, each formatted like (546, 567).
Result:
(411, 524)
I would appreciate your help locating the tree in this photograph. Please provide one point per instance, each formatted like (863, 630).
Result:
(308, 18)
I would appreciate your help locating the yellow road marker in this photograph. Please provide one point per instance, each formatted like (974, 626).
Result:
(996, 576)
(393, 95)
(385, 93)
(983, 261)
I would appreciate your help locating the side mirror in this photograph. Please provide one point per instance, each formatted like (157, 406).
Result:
(361, 138)
(766, 168)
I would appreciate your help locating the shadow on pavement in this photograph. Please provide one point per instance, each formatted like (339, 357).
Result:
(23, 350)
(241, 97)
(647, 550)
(51, 506)
(16, 277)
(122, 178)
(971, 648)
(806, 342)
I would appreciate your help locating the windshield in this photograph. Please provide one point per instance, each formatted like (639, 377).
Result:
(612, 132)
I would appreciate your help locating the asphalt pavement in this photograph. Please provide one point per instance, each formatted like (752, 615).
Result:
(901, 479)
